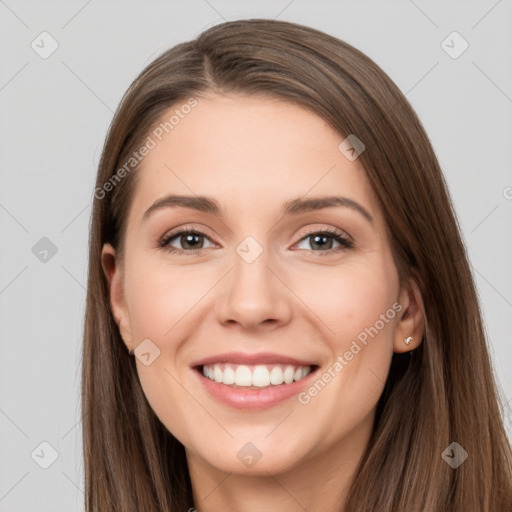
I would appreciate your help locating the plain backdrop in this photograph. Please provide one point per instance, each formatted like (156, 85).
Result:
(54, 115)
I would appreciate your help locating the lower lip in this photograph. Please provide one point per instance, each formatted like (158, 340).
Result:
(253, 398)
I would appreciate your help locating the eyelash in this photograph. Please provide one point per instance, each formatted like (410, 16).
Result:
(344, 241)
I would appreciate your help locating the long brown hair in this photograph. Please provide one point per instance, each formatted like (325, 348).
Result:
(442, 392)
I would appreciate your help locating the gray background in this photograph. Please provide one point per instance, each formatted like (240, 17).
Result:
(55, 113)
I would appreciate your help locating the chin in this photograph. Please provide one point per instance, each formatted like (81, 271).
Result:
(250, 458)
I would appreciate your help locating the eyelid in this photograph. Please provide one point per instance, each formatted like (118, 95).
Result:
(331, 230)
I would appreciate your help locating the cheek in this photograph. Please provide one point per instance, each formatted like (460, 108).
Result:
(160, 297)
(165, 302)
(359, 306)
(361, 309)
(354, 301)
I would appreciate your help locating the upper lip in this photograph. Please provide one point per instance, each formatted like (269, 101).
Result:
(251, 359)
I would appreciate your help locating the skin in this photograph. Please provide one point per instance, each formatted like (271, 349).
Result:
(252, 154)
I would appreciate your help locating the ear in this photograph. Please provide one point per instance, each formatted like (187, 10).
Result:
(113, 273)
(412, 319)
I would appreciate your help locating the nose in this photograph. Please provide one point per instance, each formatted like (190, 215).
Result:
(254, 295)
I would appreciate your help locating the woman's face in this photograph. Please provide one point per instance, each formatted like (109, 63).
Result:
(267, 295)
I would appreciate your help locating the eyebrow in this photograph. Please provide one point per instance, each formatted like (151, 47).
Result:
(293, 207)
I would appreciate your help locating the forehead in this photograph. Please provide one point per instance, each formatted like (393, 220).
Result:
(249, 153)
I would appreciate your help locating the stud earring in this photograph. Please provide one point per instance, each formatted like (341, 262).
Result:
(408, 340)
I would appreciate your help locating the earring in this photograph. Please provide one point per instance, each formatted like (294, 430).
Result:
(408, 340)
(130, 351)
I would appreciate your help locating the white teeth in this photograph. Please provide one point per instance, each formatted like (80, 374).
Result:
(228, 375)
(259, 376)
(288, 374)
(217, 373)
(276, 376)
(243, 376)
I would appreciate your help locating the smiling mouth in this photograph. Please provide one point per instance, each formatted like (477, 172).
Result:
(255, 376)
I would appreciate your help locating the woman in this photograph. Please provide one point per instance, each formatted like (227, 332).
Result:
(280, 310)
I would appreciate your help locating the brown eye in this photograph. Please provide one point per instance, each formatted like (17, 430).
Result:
(190, 241)
(322, 242)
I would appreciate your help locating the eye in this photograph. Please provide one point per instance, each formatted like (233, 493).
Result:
(191, 241)
(321, 239)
